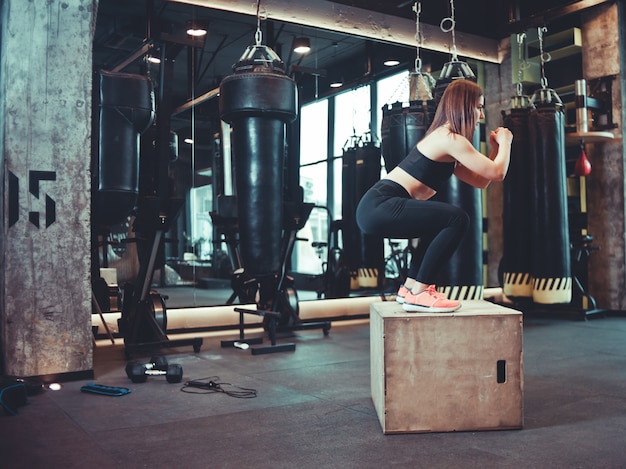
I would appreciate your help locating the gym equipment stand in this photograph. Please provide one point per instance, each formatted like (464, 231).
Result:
(155, 212)
(283, 314)
(141, 327)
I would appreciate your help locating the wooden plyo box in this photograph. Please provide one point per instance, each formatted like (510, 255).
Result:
(444, 372)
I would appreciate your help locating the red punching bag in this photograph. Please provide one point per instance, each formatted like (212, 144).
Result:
(583, 165)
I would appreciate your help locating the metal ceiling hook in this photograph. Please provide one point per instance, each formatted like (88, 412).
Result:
(258, 35)
(444, 24)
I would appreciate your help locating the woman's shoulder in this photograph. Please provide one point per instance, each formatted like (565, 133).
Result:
(440, 144)
(444, 133)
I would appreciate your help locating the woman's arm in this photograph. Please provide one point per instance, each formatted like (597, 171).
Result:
(475, 168)
(472, 178)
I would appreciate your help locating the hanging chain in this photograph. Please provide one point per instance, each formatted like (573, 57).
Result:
(419, 38)
(522, 62)
(399, 91)
(448, 25)
(258, 36)
(544, 56)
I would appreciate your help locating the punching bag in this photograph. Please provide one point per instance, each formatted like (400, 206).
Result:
(350, 233)
(517, 218)
(402, 127)
(371, 270)
(453, 70)
(461, 278)
(552, 281)
(258, 100)
(126, 109)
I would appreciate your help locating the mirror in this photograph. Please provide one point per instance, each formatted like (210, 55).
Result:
(200, 268)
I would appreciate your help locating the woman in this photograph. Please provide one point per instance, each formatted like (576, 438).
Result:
(398, 205)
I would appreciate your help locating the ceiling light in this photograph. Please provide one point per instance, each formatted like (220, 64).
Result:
(301, 45)
(153, 60)
(188, 140)
(336, 80)
(196, 29)
(205, 172)
(391, 62)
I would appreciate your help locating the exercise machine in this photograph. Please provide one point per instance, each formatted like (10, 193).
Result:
(274, 295)
(127, 107)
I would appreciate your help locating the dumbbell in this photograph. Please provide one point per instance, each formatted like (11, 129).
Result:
(138, 372)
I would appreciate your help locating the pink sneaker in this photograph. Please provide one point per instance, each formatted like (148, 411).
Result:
(401, 294)
(429, 301)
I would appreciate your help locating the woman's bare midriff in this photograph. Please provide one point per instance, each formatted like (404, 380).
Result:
(417, 189)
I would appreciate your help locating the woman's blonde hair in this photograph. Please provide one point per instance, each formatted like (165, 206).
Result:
(456, 108)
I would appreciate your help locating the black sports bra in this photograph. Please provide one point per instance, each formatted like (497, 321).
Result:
(432, 173)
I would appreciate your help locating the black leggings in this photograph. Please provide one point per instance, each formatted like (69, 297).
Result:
(388, 210)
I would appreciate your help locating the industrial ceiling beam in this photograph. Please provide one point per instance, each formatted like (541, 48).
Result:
(517, 25)
(362, 23)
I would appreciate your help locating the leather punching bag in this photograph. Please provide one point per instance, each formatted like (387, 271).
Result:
(371, 267)
(351, 239)
(402, 127)
(517, 218)
(126, 109)
(552, 281)
(258, 100)
(461, 278)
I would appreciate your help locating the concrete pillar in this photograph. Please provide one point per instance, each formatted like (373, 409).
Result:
(602, 42)
(45, 131)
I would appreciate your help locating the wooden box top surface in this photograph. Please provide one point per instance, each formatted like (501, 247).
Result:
(388, 309)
